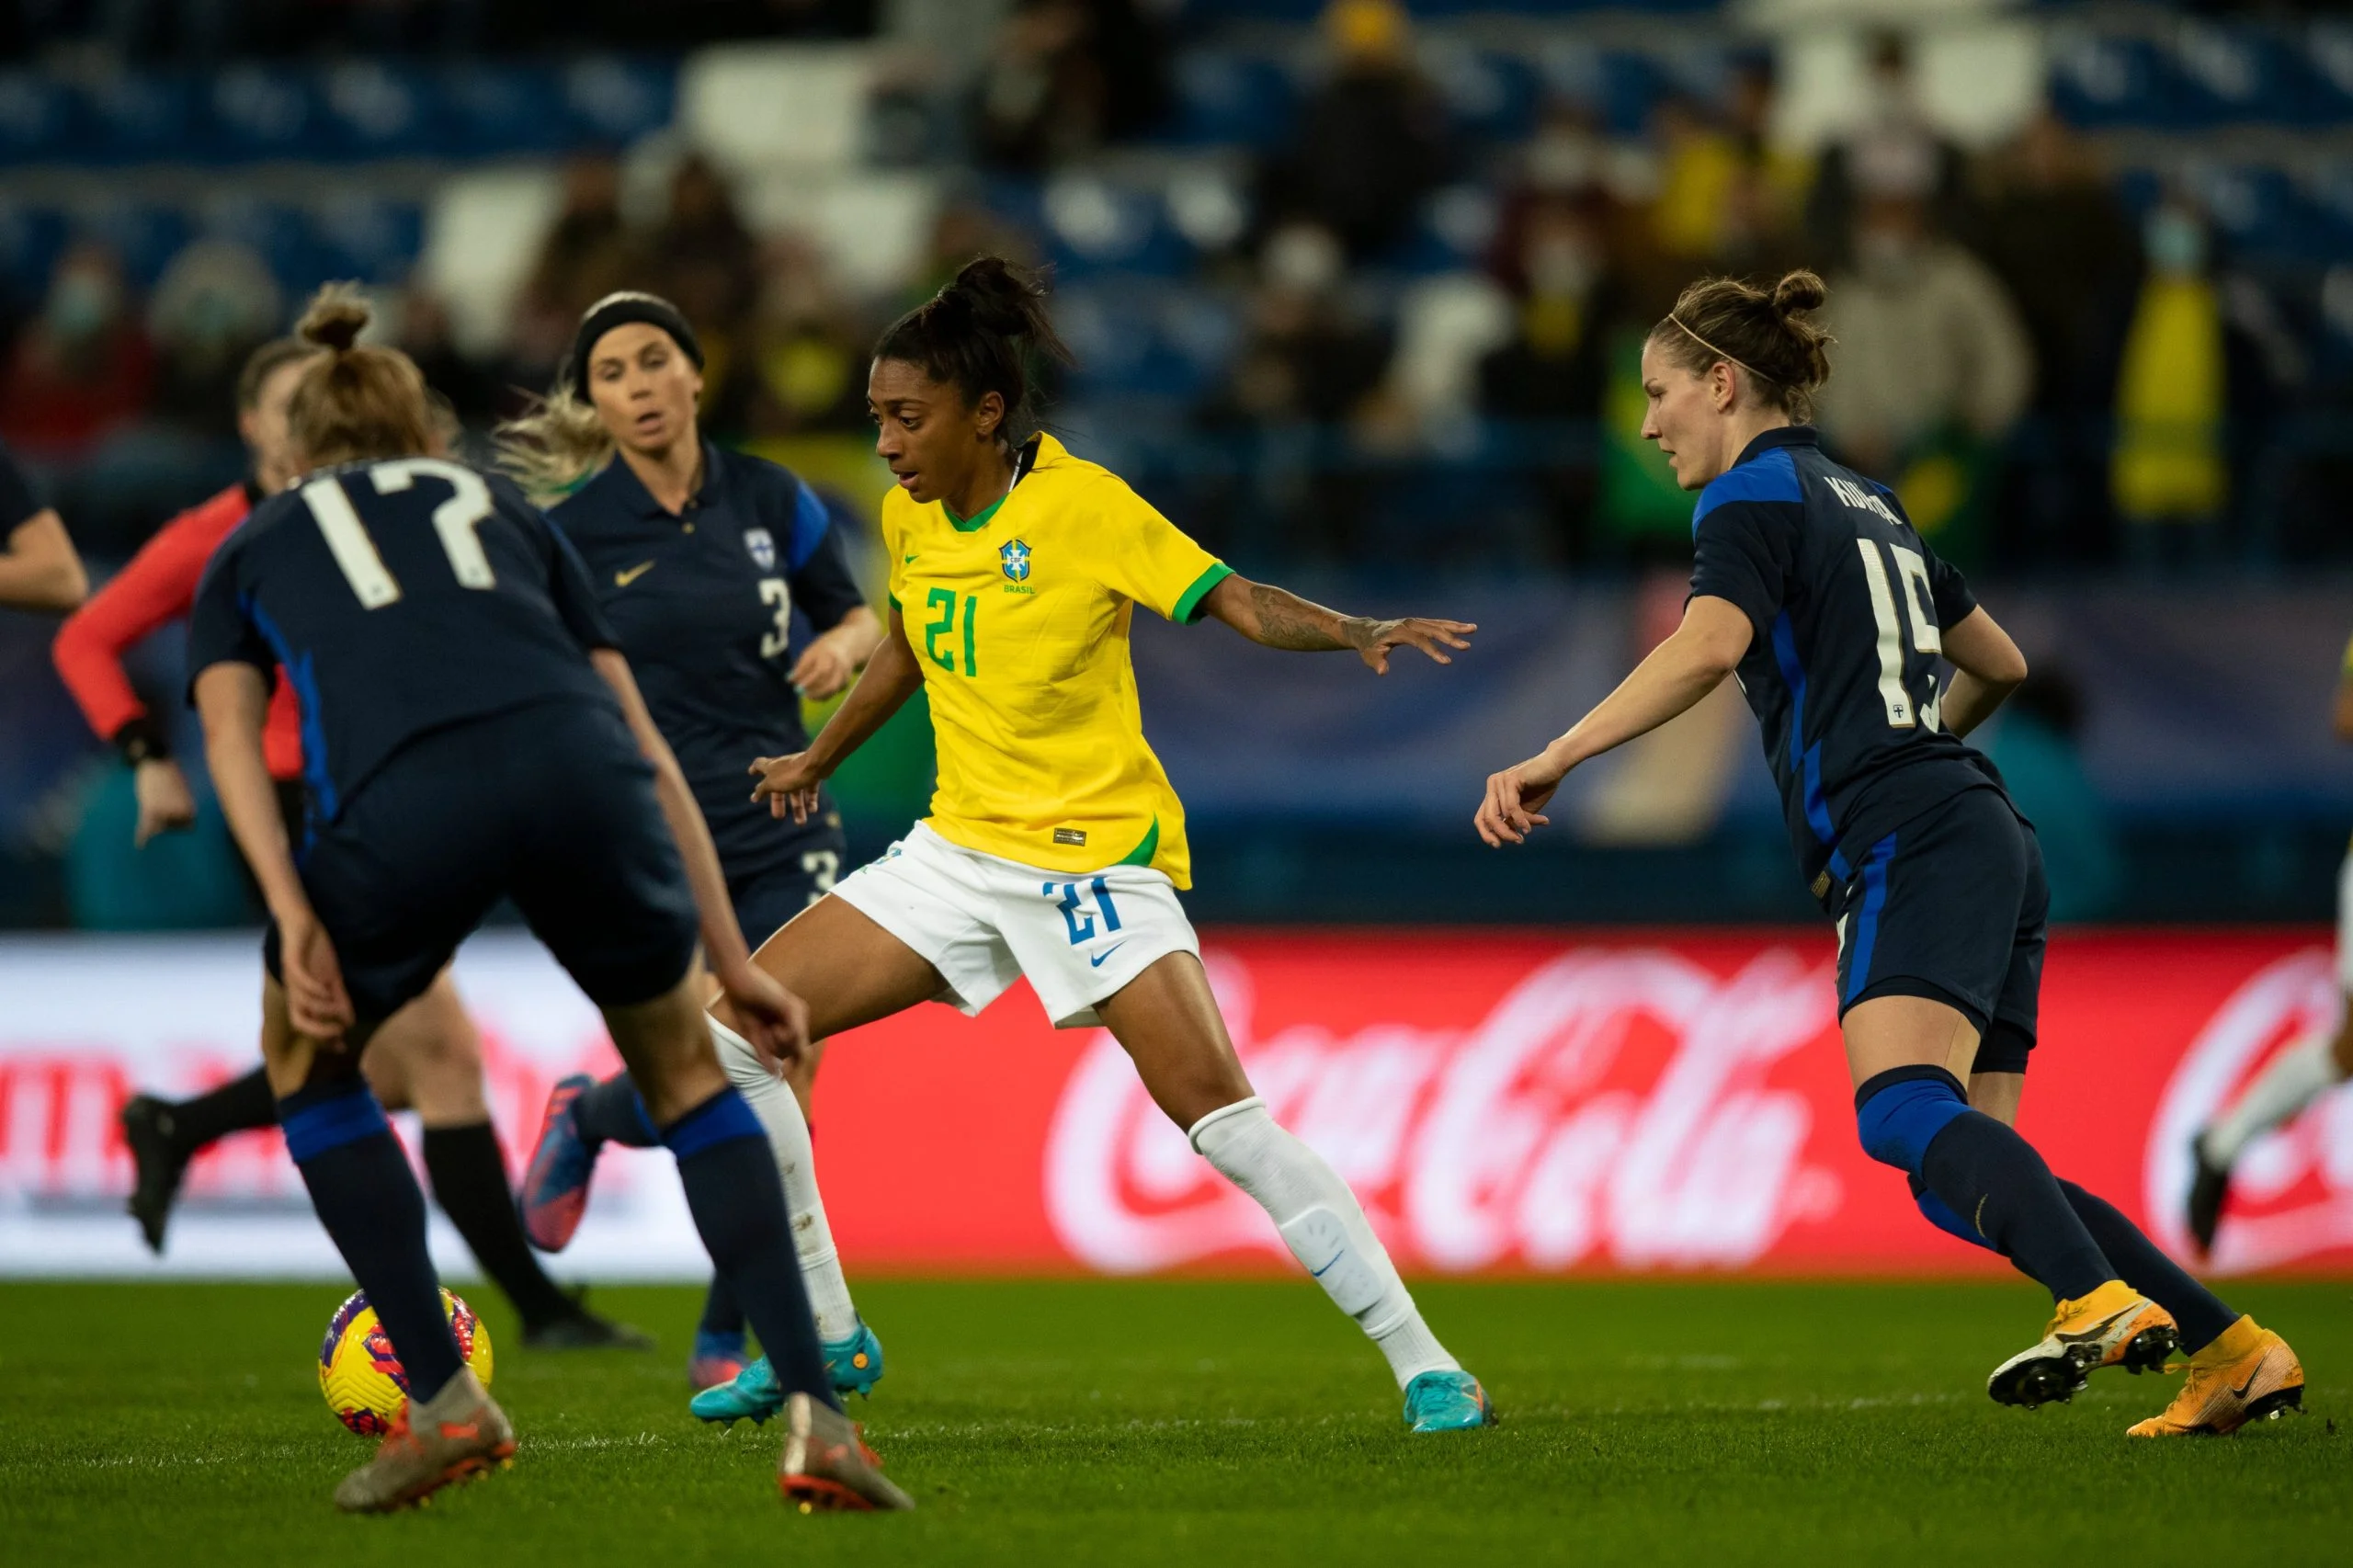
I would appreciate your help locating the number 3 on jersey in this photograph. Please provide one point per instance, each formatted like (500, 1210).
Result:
(1919, 603)
(945, 603)
(371, 581)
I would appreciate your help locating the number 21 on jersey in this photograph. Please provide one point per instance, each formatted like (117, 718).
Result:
(1910, 581)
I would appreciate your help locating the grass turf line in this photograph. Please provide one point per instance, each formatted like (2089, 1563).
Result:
(1148, 1422)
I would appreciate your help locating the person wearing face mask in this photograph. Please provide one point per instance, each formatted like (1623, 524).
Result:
(82, 368)
(1934, 364)
(701, 556)
(429, 1056)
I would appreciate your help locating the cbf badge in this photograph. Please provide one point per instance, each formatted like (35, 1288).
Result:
(762, 545)
(1015, 558)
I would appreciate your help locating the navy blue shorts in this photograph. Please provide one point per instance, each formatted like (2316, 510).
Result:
(767, 897)
(1952, 906)
(553, 806)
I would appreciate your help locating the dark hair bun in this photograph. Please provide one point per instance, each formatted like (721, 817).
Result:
(1799, 290)
(338, 313)
(1003, 298)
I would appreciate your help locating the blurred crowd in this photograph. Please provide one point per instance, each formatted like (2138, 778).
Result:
(2046, 371)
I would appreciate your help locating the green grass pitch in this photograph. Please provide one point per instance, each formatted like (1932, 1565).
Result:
(1194, 1422)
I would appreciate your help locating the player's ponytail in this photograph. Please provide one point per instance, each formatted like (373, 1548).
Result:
(356, 401)
(1770, 335)
(983, 332)
(553, 446)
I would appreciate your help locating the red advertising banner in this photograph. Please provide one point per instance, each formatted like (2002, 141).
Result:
(1542, 1102)
(1503, 1101)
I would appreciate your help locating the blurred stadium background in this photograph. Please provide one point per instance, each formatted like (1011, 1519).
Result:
(1357, 289)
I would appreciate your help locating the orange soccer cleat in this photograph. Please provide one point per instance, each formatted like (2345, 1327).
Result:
(2248, 1374)
(457, 1435)
(2113, 1326)
(826, 1465)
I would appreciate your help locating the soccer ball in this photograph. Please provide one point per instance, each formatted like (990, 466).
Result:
(362, 1379)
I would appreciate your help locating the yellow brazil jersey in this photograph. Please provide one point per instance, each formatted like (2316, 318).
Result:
(1018, 617)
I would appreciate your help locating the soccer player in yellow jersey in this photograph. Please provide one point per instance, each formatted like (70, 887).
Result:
(1055, 848)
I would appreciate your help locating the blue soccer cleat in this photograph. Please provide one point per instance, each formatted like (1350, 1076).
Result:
(555, 1184)
(1448, 1402)
(855, 1364)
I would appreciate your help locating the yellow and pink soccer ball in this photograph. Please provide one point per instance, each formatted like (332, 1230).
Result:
(362, 1379)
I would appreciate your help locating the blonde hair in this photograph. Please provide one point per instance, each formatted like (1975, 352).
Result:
(554, 446)
(356, 401)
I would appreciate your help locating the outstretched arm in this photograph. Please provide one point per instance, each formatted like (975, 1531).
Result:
(1276, 618)
(1987, 667)
(790, 783)
(1690, 663)
(37, 567)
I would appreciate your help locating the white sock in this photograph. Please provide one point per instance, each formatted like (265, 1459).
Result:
(1325, 1227)
(772, 1101)
(2297, 1076)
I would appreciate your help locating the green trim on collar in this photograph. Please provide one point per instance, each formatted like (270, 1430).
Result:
(979, 520)
(1188, 604)
(1142, 853)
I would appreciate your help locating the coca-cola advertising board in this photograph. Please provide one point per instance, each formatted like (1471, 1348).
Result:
(1527, 1102)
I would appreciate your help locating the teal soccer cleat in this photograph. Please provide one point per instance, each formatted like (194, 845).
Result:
(1448, 1402)
(855, 1364)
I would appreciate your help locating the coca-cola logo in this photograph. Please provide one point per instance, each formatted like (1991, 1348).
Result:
(1615, 1106)
(2291, 1190)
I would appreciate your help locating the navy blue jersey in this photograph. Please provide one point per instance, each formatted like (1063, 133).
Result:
(19, 505)
(1849, 607)
(705, 602)
(401, 597)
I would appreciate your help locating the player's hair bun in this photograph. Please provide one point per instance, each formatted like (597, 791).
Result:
(338, 313)
(1799, 290)
(985, 333)
(1769, 333)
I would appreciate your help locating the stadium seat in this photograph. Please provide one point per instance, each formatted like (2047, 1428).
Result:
(1093, 223)
(370, 109)
(261, 112)
(508, 111)
(373, 241)
(143, 238)
(1492, 95)
(35, 117)
(138, 117)
(2260, 212)
(1616, 86)
(30, 238)
(616, 99)
(2100, 83)
(281, 235)
(1229, 99)
(2248, 75)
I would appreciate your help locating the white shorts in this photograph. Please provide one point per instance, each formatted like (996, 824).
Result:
(984, 923)
(2345, 925)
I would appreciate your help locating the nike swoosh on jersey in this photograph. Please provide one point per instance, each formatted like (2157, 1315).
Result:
(910, 561)
(1096, 961)
(623, 579)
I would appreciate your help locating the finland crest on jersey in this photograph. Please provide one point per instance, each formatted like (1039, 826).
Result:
(762, 544)
(1015, 558)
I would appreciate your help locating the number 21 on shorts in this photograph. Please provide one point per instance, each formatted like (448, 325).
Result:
(1076, 917)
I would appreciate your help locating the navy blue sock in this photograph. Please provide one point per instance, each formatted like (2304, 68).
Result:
(1985, 1176)
(2142, 1265)
(612, 1112)
(367, 1198)
(722, 1312)
(737, 1199)
(1933, 1209)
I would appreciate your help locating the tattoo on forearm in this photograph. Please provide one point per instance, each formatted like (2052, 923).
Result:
(1286, 620)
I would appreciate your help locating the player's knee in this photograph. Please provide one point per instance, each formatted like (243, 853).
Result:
(1898, 1113)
